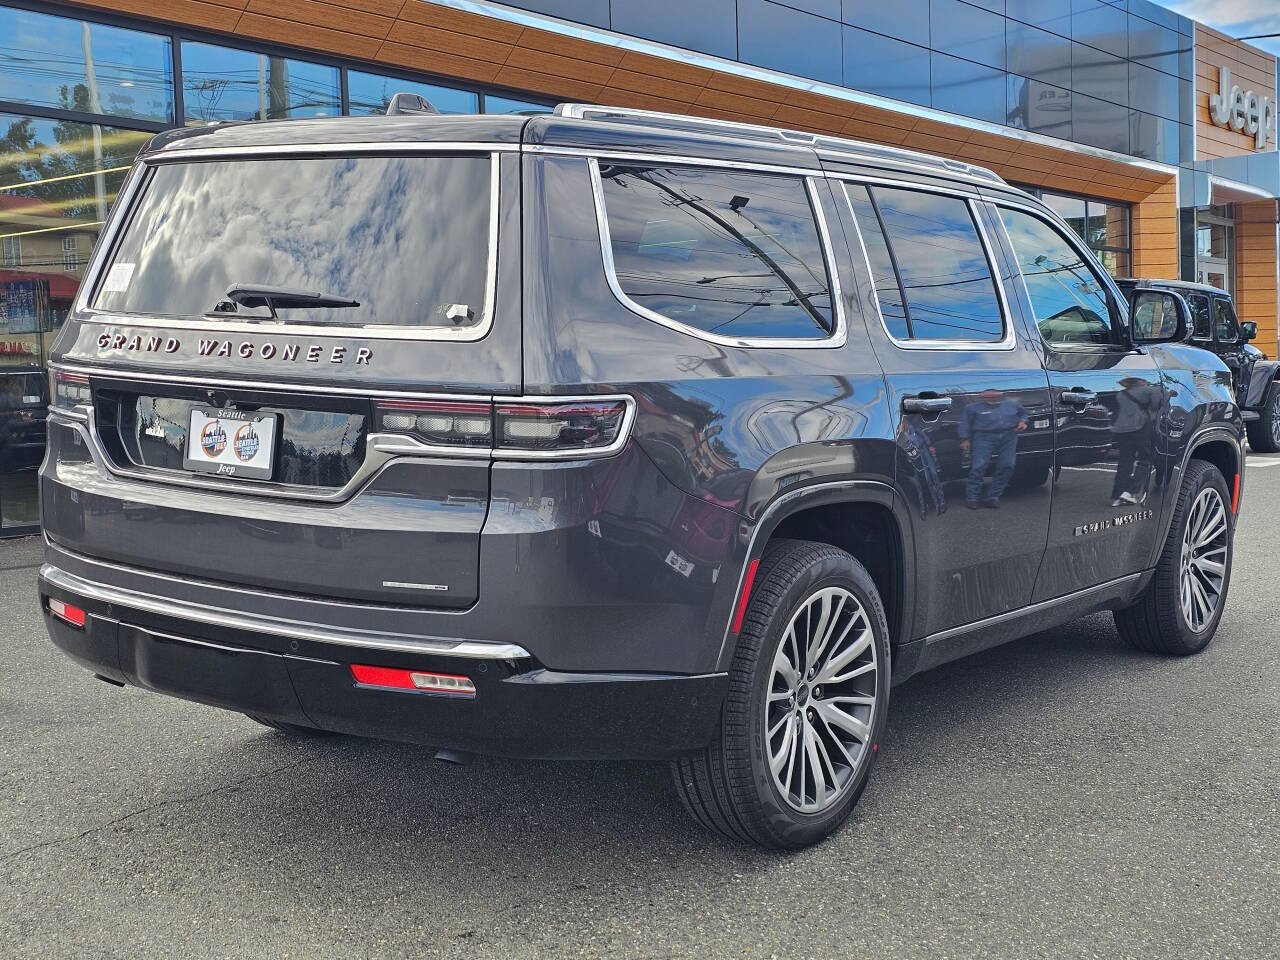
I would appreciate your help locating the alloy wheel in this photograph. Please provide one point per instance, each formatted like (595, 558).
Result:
(821, 700)
(1275, 424)
(1204, 559)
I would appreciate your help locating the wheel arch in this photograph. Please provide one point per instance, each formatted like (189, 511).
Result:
(858, 516)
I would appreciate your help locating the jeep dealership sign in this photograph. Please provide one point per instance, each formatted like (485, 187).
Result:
(1243, 111)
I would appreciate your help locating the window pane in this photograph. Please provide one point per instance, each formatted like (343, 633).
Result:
(1117, 262)
(883, 274)
(219, 83)
(942, 266)
(370, 94)
(406, 237)
(494, 104)
(1224, 320)
(75, 65)
(1200, 328)
(1069, 299)
(731, 253)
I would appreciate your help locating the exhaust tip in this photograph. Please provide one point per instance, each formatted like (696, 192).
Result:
(456, 757)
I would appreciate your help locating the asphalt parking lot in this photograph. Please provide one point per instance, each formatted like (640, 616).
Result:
(1061, 796)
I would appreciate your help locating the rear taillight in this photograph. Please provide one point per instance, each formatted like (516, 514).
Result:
(70, 389)
(578, 425)
(67, 613)
(517, 429)
(450, 423)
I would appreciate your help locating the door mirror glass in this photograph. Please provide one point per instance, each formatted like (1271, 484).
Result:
(1248, 330)
(1157, 316)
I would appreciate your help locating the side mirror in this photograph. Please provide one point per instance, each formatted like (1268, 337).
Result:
(1157, 316)
(1248, 330)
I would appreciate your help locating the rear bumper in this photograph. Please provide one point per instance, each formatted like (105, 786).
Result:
(301, 674)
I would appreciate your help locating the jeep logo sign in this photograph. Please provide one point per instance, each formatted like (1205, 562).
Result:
(1242, 110)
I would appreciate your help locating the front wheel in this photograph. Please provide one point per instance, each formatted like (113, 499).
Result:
(808, 695)
(1264, 433)
(1179, 612)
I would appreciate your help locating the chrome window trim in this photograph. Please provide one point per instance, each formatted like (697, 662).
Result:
(1010, 338)
(832, 341)
(674, 159)
(122, 212)
(1057, 223)
(257, 623)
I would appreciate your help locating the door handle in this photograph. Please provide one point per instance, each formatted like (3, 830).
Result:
(1078, 397)
(925, 404)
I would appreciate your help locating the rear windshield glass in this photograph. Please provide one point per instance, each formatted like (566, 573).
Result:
(407, 238)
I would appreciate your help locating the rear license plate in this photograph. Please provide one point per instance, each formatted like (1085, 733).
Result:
(231, 443)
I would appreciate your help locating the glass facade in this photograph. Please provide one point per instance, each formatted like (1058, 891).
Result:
(78, 99)
(1116, 74)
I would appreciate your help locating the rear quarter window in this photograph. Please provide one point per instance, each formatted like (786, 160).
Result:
(722, 252)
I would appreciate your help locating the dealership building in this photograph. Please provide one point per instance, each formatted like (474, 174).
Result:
(1152, 135)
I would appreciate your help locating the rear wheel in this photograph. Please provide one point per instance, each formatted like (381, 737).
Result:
(1264, 433)
(1178, 614)
(808, 694)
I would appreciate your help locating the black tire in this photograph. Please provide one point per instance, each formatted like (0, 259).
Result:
(1156, 622)
(1264, 433)
(728, 786)
(283, 726)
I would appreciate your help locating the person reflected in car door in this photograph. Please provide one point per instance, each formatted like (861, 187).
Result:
(989, 431)
(1137, 410)
(923, 455)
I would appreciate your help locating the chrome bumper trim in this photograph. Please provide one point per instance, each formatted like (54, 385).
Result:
(161, 606)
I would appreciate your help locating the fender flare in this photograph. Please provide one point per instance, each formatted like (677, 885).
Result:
(1212, 432)
(794, 501)
(1262, 383)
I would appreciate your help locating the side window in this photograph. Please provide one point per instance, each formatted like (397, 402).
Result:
(1224, 319)
(1068, 297)
(730, 253)
(1201, 328)
(931, 272)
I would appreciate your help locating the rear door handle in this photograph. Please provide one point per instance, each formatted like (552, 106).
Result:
(1078, 398)
(925, 404)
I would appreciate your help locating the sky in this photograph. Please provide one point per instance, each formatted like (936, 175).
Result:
(1239, 18)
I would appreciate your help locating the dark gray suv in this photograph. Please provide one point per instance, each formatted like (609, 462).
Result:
(612, 432)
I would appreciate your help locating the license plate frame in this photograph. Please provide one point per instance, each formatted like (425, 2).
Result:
(241, 445)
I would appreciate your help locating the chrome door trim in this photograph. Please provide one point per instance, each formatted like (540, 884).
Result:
(833, 341)
(255, 623)
(121, 213)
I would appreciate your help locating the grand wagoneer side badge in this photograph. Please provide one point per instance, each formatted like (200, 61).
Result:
(1123, 520)
(242, 349)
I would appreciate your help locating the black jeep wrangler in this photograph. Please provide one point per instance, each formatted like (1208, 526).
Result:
(612, 432)
(1253, 377)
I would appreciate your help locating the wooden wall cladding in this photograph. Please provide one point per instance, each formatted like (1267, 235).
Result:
(1155, 233)
(419, 35)
(1252, 69)
(1256, 297)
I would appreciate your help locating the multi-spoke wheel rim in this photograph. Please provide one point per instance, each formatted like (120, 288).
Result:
(821, 700)
(1275, 424)
(1204, 559)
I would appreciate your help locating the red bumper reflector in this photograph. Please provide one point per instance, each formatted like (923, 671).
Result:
(1235, 494)
(67, 613)
(413, 680)
(745, 596)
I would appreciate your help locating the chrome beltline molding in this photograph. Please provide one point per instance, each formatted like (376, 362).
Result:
(253, 623)
(663, 51)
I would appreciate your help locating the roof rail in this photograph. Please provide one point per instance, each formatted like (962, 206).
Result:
(857, 149)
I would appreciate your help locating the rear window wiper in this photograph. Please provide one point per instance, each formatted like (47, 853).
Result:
(274, 298)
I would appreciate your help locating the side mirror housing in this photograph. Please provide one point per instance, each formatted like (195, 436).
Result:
(1248, 330)
(1157, 316)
